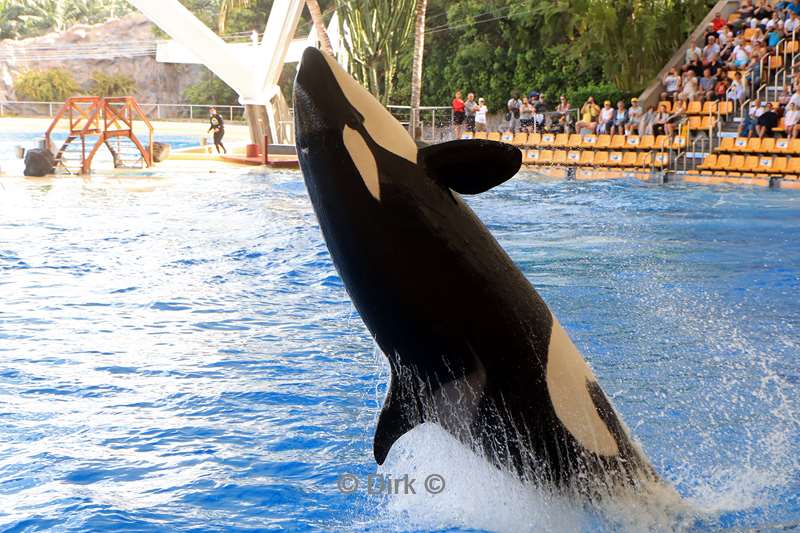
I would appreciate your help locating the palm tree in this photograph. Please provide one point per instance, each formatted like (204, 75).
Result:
(319, 24)
(225, 8)
(416, 65)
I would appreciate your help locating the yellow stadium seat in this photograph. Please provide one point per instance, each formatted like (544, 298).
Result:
(615, 159)
(753, 145)
(661, 159)
(767, 145)
(749, 33)
(573, 157)
(737, 162)
(708, 122)
(494, 136)
(765, 164)
(546, 157)
(723, 162)
(520, 139)
(647, 142)
(618, 142)
(726, 144)
(587, 158)
(775, 62)
(666, 103)
(740, 144)
(780, 146)
(562, 140)
(679, 142)
(535, 139)
(694, 123)
(507, 137)
(588, 141)
(779, 165)
(632, 142)
(601, 159)
(481, 135)
(709, 107)
(530, 157)
(695, 107)
(574, 140)
(548, 139)
(752, 163)
(725, 107)
(794, 147)
(629, 159)
(603, 142)
(467, 135)
(793, 167)
(643, 159)
(708, 163)
(661, 142)
(560, 157)
(791, 47)
(781, 126)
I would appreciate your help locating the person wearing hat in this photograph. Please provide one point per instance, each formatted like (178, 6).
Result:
(635, 113)
(480, 115)
(606, 121)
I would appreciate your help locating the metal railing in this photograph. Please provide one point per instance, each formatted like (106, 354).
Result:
(26, 108)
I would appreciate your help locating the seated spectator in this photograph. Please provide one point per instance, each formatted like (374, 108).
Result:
(721, 85)
(774, 36)
(711, 51)
(706, 84)
(635, 114)
(736, 88)
(763, 11)
(589, 113)
(791, 25)
(693, 52)
(790, 121)
(740, 56)
(672, 85)
(563, 105)
(659, 121)
(745, 10)
(725, 36)
(674, 120)
(606, 121)
(718, 22)
(794, 7)
(748, 125)
(690, 89)
(539, 108)
(646, 122)
(785, 97)
(767, 122)
(620, 119)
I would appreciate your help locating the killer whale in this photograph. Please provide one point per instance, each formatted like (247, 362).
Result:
(470, 343)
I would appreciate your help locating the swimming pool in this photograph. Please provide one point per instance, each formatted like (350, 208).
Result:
(187, 359)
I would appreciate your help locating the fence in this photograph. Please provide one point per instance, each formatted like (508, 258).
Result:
(436, 123)
(233, 113)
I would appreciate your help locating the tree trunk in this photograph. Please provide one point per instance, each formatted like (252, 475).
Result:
(319, 24)
(416, 66)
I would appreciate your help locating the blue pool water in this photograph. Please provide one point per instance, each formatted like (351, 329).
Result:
(184, 357)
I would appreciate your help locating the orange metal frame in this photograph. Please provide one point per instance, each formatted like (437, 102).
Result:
(106, 118)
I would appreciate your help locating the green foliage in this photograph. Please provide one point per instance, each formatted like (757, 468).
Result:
(379, 30)
(572, 47)
(29, 18)
(103, 84)
(210, 90)
(53, 85)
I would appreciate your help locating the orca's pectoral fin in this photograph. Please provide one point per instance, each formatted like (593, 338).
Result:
(470, 166)
(400, 414)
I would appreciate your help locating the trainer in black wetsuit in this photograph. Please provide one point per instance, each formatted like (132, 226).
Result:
(218, 126)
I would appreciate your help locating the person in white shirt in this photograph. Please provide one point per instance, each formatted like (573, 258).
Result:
(711, 50)
(791, 24)
(480, 115)
(693, 52)
(606, 118)
(790, 120)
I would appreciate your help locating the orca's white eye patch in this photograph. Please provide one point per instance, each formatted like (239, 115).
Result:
(363, 159)
(379, 123)
(567, 377)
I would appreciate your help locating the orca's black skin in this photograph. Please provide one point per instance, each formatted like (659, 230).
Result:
(465, 333)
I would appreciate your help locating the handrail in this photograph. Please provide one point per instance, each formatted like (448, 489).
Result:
(48, 142)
